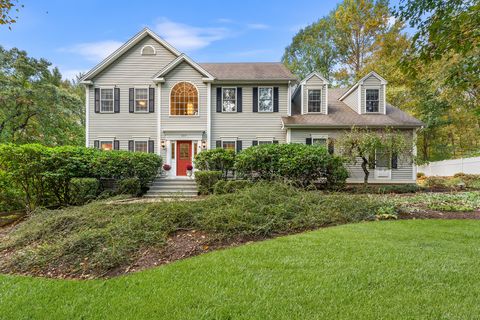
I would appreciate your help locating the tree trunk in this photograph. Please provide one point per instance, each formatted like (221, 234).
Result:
(365, 170)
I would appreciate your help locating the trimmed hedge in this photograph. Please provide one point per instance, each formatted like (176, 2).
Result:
(216, 160)
(206, 180)
(43, 175)
(130, 186)
(83, 190)
(302, 164)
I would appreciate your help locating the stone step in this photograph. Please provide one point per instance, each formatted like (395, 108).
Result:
(180, 184)
(168, 188)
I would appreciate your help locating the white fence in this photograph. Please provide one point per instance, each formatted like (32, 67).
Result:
(450, 167)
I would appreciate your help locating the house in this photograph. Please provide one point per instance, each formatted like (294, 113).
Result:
(149, 97)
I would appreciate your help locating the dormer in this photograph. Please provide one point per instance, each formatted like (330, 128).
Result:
(311, 95)
(367, 96)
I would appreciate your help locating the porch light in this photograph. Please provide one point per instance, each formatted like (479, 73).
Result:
(204, 144)
(162, 143)
(204, 140)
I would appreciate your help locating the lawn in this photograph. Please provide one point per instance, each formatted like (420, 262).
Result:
(415, 269)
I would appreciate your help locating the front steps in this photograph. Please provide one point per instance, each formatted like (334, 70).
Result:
(172, 187)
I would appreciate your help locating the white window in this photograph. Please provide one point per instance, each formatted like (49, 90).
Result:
(315, 100)
(319, 141)
(229, 99)
(141, 146)
(372, 97)
(229, 145)
(141, 99)
(148, 50)
(265, 142)
(106, 145)
(106, 100)
(265, 99)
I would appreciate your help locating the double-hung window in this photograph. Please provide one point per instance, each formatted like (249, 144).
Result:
(141, 99)
(106, 145)
(229, 99)
(319, 141)
(229, 145)
(265, 99)
(106, 100)
(141, 146)
(372, 100)
(265, 142)
(315, 100)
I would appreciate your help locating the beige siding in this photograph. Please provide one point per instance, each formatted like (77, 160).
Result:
(352, 100)
(248, 125)
(373, 83)
(404, 173)
(130, 70)
(315, 83)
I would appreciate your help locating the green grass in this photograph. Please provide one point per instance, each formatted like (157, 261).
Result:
(416, 269)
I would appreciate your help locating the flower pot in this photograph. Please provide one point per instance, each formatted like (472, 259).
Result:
(189, 173)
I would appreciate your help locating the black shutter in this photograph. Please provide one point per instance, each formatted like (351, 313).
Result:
(239, 146)
(97, 100)
(254, 143)
(96, 144)
(394, 161)
(331, 146)
(116, 100)
(116, 145)
(151, 99)
(131, 145)
(239, 99)
(218, 144)
(255, 99)
(151, 146)
(275, 141)
(275, 99)
(308, 141)
(219, 99)
(131, 100)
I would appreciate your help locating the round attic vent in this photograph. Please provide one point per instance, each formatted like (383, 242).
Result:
(148, 50)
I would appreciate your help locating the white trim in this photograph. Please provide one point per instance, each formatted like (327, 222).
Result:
(326, 98)
(384, 87)
(150, 46)
(159, 113)
(308, 99)
(347, 93)
(314, 73)
(234, 140)
(371, 73)
(209, 114)
(235, 99)
(135, 99)
(319, 136)
(289, 97)
(87, 114)
(177, 61)
(387, 170)
(170, 101)
(359, 100)
(273, 100)
(139, 140)
(301, 99)
(124, 48)
(365, 95)
(113, 99)
(289, 135)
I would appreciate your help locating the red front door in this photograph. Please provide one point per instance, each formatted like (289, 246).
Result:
(184, 157)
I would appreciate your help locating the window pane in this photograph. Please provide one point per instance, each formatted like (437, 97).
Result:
(184, 152)
(265, 99)
(106, 145)
(320, 141)
(173, 150)
(141, 93)
(106, 94)
(184, 99)
(229, 93)
(314, 101)
(372, 100)
(265, 142)
(106, 100)
(107, 106)
(141, 146)
(228, 145)
(229, 106)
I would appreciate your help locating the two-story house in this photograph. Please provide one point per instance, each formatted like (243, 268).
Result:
(149, 97)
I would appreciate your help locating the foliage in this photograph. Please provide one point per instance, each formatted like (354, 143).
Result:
(457, 182)
(6, 9)
(99, 237)
(10, 197)
(215, 159)
(230, 186)
(365, 143)
(299, 163)
(83, 190)
(130, 186)
(206, 180)
(385, 189)
(36, 105)
(460, 201)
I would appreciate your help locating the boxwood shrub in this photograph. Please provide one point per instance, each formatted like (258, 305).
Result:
(206, 180)
(216, 160)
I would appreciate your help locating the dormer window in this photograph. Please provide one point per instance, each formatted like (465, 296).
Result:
(372, 97)
(314, 100)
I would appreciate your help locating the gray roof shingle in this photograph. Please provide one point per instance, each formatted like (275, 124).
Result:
(246, 71)
(341, 115)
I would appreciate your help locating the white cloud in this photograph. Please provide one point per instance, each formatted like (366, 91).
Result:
(186, 37)
(257, 26)
(94, 51)
(251, 53)
(71, 74)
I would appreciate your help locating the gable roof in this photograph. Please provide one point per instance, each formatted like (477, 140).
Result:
(183, 58)
(314, 73)
(342, 116)
(359, 82)
(124, 48)
(246, 71)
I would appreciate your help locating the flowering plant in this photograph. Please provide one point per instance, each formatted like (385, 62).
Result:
(167, 167)
(189, 167)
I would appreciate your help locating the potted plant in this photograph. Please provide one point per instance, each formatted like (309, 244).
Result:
(189, 170)
(166, 168)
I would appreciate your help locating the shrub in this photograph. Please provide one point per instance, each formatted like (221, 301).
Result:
(300, 163)
(420, 175)
(230, 186)
(206, 180)
(384, 189)
(130, 186)
(216, 160)
(10, 197)
(83, 190)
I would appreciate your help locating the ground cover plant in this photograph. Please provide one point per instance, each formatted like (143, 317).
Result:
(414, 269)
(457, 202)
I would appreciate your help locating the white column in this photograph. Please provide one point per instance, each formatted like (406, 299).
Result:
(159, 112)
(414, 154)
(209, 114)
(87, 114)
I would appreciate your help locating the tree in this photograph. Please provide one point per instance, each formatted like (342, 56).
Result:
(366, 144)
(36, 105)
(6, 8)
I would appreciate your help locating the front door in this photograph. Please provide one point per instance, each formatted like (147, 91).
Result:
(184, 157)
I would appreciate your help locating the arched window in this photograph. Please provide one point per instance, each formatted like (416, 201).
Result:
(148, 50)
(184, 100)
